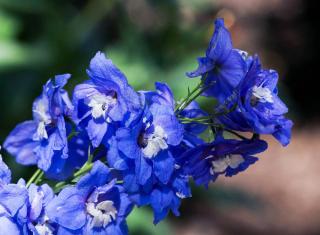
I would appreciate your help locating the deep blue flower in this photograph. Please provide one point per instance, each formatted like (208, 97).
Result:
(104, 101)
(142, 152)
(258, 107)
(95, 205)
(221, 157)
(147, 140)
(44, 140)
(223, 67)
(22, 210)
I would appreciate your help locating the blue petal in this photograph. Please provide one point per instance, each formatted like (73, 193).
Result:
(143, 169)
(163, 166)
(60, 168)
(114, 156)
(20, 144)
(13, 197)
(102, 69)
(5, 173)
(220, 44)
(96, 130)
(126, 204)
(130, 181)
(98, 176)
(204, 65)
(66, 231)
(68, 204)
(61, 80)
(8, 226)
(173, 129)
(225, 79)
(39, 197)
(283, 133)
(160, 202)
(127, 141)
(35, 200)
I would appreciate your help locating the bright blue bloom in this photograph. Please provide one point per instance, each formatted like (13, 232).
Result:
(147, 140)
(223, 67)
(95, 205)
(22, 210)
(221, 157)
(43, 140)
(104, 101)
(142, 152)
(258, 107)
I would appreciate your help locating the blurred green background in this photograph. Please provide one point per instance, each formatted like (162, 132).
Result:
(151, 40)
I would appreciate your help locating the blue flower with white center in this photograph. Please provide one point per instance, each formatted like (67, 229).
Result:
(22, 210)
(95, 205)
(221, 157)
(105, 101)
(223, 67)
(145, 143)
(142, 153)
(258, 107)
(44, 140)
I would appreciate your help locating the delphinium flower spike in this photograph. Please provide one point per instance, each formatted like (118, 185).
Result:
(113, 148)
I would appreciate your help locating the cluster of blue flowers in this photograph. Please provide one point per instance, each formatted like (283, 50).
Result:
(110, 148)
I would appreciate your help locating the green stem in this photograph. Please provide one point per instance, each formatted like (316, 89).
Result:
(39, 178)
(185, 100)
(34, 177)
(84, 169)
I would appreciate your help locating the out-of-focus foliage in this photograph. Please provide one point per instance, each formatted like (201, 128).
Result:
(140, 223)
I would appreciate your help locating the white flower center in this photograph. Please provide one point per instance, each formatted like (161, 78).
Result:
(43, 117)
(103, 213)
(263, 94)
(155, 142)
(44, 229)
(40, 110)
(180, 195)
(41, 132)
(100, 105)
(220, 165)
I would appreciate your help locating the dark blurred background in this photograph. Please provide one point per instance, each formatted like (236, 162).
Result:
(153, 40)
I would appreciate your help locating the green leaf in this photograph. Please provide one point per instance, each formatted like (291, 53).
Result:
(140, 222)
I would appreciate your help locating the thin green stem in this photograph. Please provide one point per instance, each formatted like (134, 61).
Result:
(185, 100)
(39, 178)
(34, 177)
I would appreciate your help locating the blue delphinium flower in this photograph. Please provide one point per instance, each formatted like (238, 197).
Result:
(221, 157)
(258, 107)
(22, 210)
(146, 141)
(104, 101)
(95, 205)
(43, 140)
(142, 152)
(223, 67)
